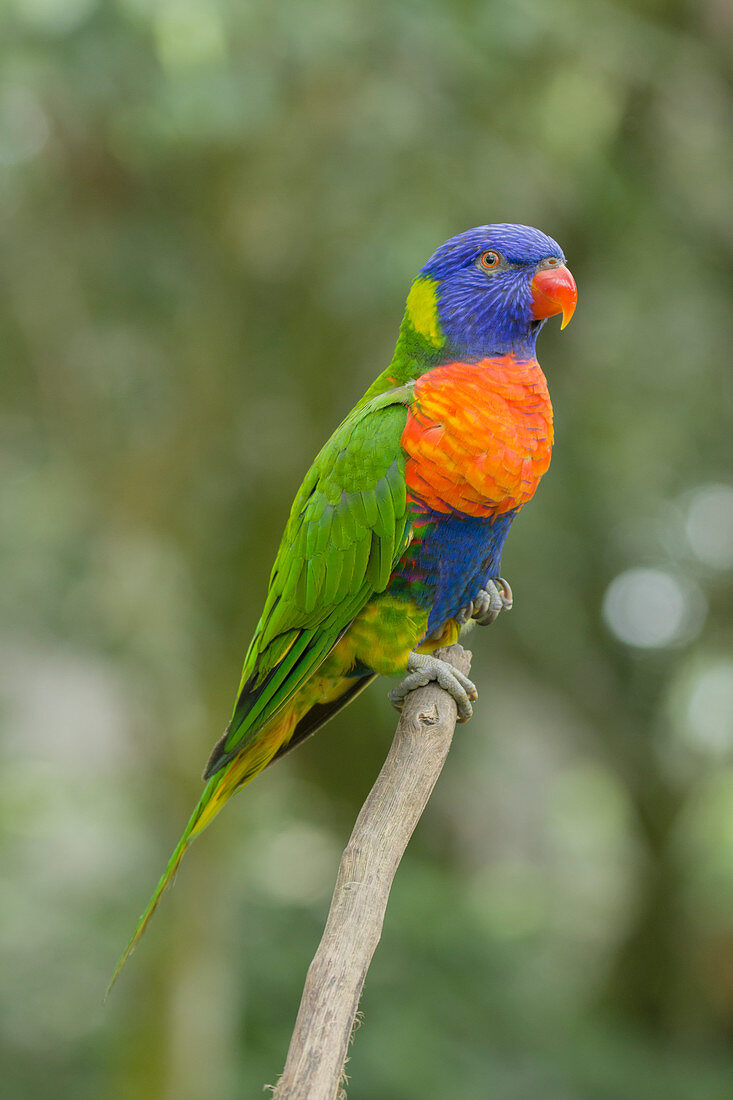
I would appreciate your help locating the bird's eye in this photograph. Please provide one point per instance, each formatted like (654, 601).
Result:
(490, 261)
(552, 261)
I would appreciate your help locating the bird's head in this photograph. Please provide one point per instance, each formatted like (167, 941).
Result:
(489, 290)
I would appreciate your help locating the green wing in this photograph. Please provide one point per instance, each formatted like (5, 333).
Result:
(347, 528)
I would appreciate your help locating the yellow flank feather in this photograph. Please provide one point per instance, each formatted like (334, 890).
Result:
(422, 310)
(448, 636)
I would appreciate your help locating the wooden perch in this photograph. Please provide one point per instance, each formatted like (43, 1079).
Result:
(387, 820)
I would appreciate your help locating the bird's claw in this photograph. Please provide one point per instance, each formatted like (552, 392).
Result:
(495, 598)
(487, 605)
(422, 669)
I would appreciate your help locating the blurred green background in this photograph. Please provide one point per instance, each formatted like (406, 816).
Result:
(211, 213)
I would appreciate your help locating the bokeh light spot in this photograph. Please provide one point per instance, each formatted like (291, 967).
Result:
(189, 35)
(651, 608)
(24, 127)
(710, 525)
(710, 708)
(297, 865)
(54, 16)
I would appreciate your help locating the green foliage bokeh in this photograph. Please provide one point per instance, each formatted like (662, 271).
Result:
(210, 215)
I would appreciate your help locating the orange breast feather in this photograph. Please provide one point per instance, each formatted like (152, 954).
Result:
(478, 436)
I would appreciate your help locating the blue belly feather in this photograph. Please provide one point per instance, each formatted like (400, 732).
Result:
(451, 557)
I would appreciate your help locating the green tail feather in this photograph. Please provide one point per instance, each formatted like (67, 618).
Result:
(188, 837)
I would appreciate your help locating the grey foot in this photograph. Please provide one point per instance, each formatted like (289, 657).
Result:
(485, 608)
(422, 669)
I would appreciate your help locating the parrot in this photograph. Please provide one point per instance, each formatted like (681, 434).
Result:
(394, 541)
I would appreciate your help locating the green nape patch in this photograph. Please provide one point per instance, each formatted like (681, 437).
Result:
(419, 344)
(422, 311)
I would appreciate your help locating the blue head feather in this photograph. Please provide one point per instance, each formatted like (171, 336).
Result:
(489, 313)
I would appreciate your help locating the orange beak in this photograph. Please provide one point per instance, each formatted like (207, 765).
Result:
(554, 291)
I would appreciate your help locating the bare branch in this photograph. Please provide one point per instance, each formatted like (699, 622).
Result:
(383, 828)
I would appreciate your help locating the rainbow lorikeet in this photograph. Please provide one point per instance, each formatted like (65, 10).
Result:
(394, 540)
